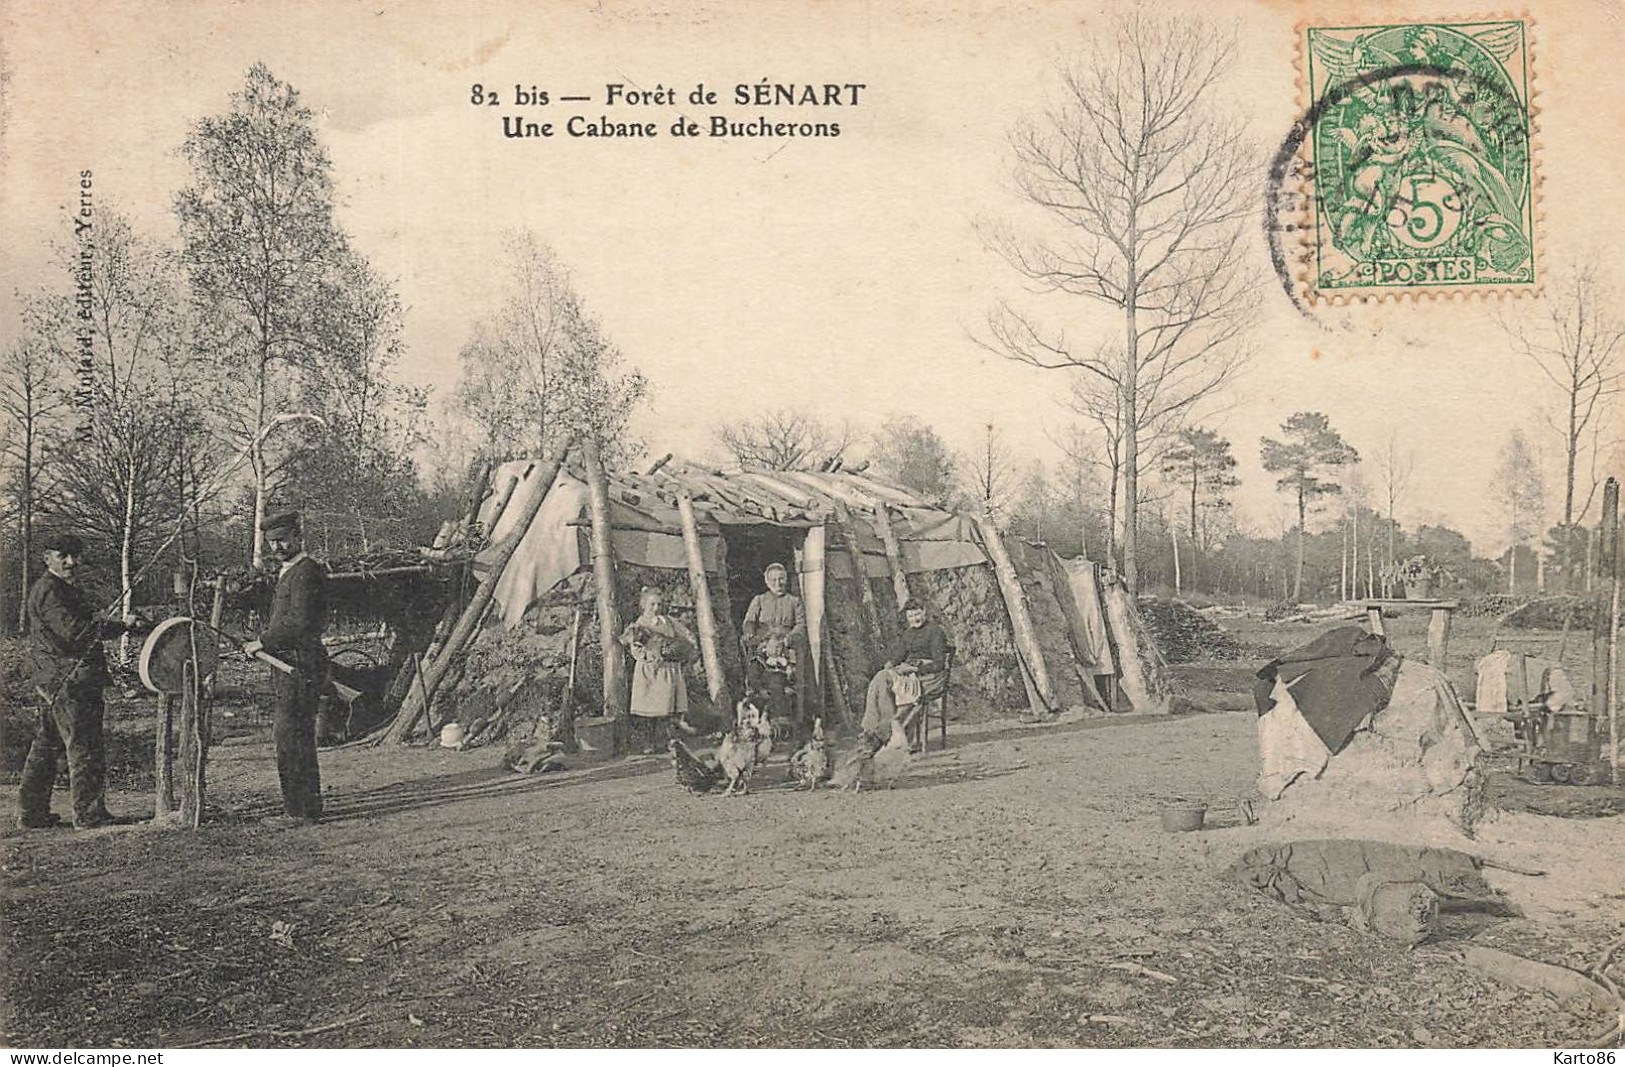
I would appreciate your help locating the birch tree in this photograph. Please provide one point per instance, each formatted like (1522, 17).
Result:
(262, 253)
(540, 367)
(1148, 189)
(113, 324)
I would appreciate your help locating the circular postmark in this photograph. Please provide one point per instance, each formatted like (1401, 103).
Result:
(1411, 169)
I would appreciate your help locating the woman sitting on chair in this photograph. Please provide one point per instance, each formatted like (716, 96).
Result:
(915, 672)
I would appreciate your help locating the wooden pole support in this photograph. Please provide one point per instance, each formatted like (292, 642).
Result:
(854, 550)
(194, 747)
(705, 620)
(894, 553)
(501, 505)
(1015, 603)
(603, 572)
(413, 707)
(567, 700)
(163, 758)
(1607, 566)
(1439, 639)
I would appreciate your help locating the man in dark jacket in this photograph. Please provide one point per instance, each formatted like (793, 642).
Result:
(293, 634)
(70, 669)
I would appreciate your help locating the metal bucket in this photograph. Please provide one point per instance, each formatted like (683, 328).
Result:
(1181, 818)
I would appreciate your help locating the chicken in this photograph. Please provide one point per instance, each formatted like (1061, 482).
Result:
(890, 763)
(882, 768)
(696, 773)
(748, 744)
(810, 764)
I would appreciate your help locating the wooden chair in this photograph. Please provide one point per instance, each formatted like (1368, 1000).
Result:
(922, 717)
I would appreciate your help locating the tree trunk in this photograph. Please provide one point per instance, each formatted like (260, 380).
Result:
(1343, 563)
(603, 567)
(1173, 534)
(1512, 569)
(1355, 566)
(1131, 416)
(256, 463)
(1303, 534)
(126, 558)
(1196, 546)
(28, 530)
(1602, 608)
(1111, 520)
(1572, 453)
(705, 622)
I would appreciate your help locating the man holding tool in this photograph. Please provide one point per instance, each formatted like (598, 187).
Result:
(294, 634)
(70, 669)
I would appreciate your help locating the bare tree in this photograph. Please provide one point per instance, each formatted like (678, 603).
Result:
(786, 439)
(991, 477)
(1395, 466)
(1521, 493)
(113, 323)
(1083, 461)
(541, 367)
(31, 398)
(1577, 345)
(1150, 190)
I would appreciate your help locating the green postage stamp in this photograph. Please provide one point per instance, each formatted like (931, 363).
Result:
(1420, 160)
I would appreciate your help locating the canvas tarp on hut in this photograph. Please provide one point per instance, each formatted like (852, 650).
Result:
(824, 526)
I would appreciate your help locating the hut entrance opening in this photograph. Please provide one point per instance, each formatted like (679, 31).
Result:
(750, 550)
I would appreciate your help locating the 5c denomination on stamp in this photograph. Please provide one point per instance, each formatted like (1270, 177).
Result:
(1417, 164)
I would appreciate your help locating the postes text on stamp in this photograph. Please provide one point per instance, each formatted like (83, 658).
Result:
(1419, 157)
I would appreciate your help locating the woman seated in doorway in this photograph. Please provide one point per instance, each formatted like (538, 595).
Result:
(774, 629)
(915, 671)
(661, 648)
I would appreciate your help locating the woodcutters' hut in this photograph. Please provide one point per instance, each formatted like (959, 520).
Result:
(1028, 628)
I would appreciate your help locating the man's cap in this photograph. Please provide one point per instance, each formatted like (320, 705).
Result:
(911, 605)
(288, 520)
(69, 543)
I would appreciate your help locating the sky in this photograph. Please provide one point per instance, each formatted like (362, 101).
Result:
(844, 275)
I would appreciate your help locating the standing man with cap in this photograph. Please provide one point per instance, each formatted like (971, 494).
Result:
(70, 669)
(294, 634)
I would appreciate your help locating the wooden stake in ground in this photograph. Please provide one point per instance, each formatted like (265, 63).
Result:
(194, 746)
(603, 576)
(217, 617)
(1015, 603)
(705, 621)
(163, 758)
(567, 699)
(413, 707)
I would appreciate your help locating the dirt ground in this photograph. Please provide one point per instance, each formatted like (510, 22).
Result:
(1015, 889)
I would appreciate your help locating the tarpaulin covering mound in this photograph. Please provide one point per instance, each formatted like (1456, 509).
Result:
(1391, 889)
(1350, 731)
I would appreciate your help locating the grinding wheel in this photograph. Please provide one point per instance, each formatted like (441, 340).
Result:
(170, 647)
